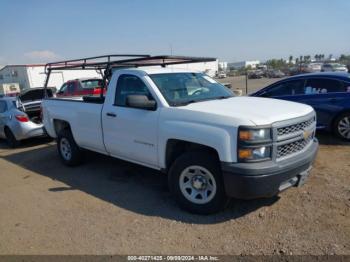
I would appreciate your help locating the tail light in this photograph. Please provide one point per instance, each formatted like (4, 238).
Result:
(97, 91)
(22, 118)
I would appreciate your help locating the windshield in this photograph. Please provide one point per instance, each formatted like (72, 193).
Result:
(184, 88)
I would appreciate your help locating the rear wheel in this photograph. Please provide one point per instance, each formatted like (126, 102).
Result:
(196, 181)
(11, 139)
(342, 126)
(68, 150)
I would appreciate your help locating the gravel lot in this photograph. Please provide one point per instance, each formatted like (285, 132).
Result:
(107, 206)
(239, 82)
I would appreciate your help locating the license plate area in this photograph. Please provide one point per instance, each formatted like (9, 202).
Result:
(303, 176)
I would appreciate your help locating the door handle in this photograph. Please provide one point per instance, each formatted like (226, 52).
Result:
(111, 114)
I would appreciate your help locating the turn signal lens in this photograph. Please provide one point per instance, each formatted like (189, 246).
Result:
(245, 135)
(256, 153)
(22, 118)
(245, 153)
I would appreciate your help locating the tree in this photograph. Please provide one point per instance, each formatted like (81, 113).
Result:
(290, 59)
(276, 63)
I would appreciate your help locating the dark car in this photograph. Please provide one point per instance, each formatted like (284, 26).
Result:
(327, 93)
(275, 74)
(256, 74)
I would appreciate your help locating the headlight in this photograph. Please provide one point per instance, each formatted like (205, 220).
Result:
(254, 144)
(256, 153)
(254, 135)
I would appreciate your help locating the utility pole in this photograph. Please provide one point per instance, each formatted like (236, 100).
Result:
(246, 82)
(171, 49)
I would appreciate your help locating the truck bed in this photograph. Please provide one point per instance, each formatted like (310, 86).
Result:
(84, 118)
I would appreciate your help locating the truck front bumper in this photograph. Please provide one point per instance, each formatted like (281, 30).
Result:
(266, 179)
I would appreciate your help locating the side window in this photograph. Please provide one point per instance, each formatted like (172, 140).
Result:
(294, 87)
(3, 106)
(71, 86)
(130, 85)
(323, 86)
(63, 89)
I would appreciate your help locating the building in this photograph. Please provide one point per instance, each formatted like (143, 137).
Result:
(223, 66)
(243, 64)
(31, 76)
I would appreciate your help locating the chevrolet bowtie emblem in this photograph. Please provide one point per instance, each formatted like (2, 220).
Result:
(306, 134)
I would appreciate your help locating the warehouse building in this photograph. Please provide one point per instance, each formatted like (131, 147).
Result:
(244, 64)
(31, 76)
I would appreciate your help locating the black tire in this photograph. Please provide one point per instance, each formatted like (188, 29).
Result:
(210, 163)
(65, 138)
(11, 139)
(337, 122)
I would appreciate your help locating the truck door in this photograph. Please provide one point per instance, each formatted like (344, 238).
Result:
(130, 133)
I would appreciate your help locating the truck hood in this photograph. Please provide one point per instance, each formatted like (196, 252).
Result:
(260, 111)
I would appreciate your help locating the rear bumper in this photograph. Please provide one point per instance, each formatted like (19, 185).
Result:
(27, 130)
(266, 179)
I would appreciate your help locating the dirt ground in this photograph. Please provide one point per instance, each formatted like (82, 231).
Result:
(239, 82)
(108, 206)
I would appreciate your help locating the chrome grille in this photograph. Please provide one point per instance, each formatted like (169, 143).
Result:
(293, 147)
(295, 128)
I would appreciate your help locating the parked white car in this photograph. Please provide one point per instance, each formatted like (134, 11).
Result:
(211, 144)
(334, 67)
(314, 67)
(222, 75)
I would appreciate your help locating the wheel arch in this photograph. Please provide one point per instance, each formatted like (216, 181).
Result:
(335, 117)
(176, 147)
(60, 125)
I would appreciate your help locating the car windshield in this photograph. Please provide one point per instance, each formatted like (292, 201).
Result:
(184, 88)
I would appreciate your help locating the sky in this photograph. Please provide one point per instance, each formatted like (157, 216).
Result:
(36, 31)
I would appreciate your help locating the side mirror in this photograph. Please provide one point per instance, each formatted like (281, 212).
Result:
(141, 102)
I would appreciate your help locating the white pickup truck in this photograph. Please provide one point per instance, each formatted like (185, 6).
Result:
(211, 144)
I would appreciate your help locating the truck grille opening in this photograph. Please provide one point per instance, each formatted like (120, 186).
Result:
(294, 147)
(295, 128)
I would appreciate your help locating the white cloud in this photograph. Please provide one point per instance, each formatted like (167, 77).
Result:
(42, 56)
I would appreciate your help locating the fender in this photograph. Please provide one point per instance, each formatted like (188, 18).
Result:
(217, 138)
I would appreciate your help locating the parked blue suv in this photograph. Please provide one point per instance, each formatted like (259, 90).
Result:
(327, 93)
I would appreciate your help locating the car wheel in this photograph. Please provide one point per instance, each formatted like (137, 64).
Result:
(196, 181)
(68, 150)
(342, 126)
(11, 139)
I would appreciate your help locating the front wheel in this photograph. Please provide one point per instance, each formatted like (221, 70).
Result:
(68, 150)
(342, 126)
(196, 181)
